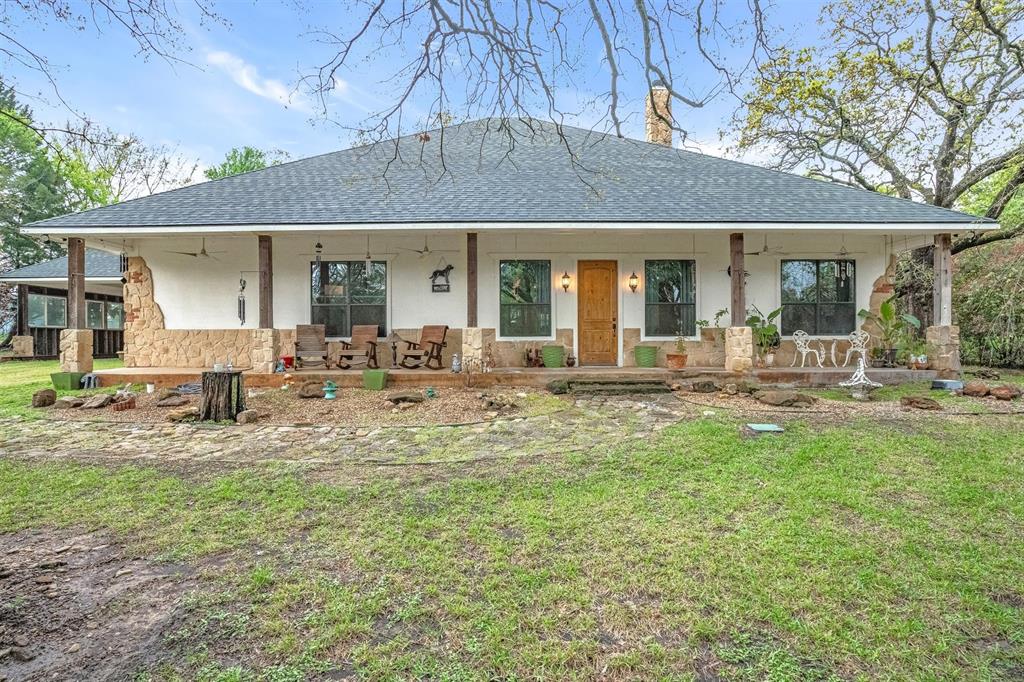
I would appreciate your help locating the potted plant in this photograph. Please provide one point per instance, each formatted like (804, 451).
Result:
(877, 357)
(766, 333)
(712, 331)
(677, 360)
(914, 352)
(891, 325)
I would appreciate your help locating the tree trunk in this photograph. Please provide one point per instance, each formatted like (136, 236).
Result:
(223, 396)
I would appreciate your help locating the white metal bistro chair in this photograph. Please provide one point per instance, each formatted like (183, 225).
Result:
(859, 341)
(803, 346)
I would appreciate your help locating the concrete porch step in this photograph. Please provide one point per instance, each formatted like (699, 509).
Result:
(618, 387)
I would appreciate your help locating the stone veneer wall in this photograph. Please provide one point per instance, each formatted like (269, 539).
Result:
(944, 350)
(708, 352)
(477, 340)
(23, 346)
(739, 349)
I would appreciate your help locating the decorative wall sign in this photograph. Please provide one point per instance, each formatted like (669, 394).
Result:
(441, 272)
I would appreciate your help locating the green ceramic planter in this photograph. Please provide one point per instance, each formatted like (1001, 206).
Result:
(553, 356)
(67, 381)
(375, 379)
(645, 356)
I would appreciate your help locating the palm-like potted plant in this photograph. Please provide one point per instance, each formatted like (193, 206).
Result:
(891, 326)
(766, 333)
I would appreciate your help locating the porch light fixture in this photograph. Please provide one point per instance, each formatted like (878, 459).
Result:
(634, 282)
(318, 250)
(566, 281)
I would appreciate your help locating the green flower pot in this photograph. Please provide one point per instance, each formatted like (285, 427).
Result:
(375, 379)
(67, 381)
(553, 356)
(646, 356)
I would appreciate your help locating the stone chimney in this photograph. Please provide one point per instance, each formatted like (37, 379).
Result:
(658, 115)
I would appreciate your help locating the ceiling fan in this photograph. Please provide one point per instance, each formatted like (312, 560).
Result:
(426, 250)
(202, 253)
(765, 251)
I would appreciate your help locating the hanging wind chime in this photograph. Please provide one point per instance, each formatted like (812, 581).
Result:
(241, 300)
(123, 262)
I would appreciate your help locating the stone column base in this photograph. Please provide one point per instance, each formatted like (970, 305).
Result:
(739, 349)
(76, 350)
(23, 346)
(265, 346)
(944, 350)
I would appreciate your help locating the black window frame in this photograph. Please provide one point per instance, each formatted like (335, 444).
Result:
(688, 325)
(818, 304)
(546, 291)
(348, 305)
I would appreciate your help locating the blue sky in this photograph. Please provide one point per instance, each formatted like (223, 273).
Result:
(240, 85)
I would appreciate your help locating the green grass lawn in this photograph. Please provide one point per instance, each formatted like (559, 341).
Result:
(19, 379)
(866, 551)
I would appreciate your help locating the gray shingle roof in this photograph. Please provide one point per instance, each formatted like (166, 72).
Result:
(97, 264)
(521, 173)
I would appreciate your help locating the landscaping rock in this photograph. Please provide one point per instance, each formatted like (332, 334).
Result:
(247, 417)
(173, 401)
(183, 414)
(558, 386)
(68, 402)
(976, 389)
(497, 402)
(98, 401)
(704, 387)
(165, 393)
(1005, 392)
(405, 397)
(785, 398)
(44, 397)
(311, 389)
(986, 373)
(918, 402)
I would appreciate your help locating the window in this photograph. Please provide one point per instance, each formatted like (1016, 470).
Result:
(115, 316)
(670, 298)
(47, 311)
(344, 294)
(525, 297)
(819, 296)
(94, 315)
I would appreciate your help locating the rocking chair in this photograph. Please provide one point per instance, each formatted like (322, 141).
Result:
(859, 341)
(310, 345)
(427, 351)
(361, 348)
(803, 346)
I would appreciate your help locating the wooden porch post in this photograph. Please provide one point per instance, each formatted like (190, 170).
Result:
(22, 326)
(471, 280)
(738, 307)
(76, 283)
(266, 268)
(942, 286)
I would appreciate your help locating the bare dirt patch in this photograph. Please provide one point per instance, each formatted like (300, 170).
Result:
(80, 606)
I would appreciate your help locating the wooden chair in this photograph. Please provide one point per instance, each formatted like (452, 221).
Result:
(427, 351)
(361, 348)
(310, 345)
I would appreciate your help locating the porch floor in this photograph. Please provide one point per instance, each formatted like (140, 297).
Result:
(517, 376)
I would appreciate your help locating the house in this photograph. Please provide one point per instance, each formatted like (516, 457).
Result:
(42, 305)
(552, 234)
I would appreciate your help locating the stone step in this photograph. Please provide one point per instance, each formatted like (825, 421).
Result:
(619, 388)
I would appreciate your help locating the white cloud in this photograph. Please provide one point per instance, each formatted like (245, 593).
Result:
(247, 76)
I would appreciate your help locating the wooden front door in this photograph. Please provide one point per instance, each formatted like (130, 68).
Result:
(598, 305)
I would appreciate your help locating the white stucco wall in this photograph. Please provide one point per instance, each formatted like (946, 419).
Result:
(201, 294)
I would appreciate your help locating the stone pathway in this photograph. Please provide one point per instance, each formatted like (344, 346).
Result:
(590, 423)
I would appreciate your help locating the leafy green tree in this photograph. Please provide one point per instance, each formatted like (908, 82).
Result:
(245, 160)
(923, 99)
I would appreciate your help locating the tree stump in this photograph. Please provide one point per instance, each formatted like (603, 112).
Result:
(223, 396)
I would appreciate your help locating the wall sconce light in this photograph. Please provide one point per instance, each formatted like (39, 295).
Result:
(566, 281)
(634, 282)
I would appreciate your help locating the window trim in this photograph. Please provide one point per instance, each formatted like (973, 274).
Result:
(788, 335)
(642, 292)
(550, 336)
(46, 315)
(387, 326)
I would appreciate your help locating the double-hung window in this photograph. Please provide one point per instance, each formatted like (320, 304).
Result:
(819, 296)
(347, 293)
(670, 298)
(525, 297)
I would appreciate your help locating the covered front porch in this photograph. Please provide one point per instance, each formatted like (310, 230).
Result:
(598, 292)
